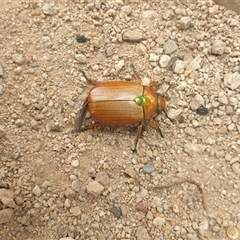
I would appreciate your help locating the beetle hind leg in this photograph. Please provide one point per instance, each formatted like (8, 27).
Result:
(156, 127)
(139, 133)
(80, 116)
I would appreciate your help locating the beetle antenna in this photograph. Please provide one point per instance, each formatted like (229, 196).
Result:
(83, 73)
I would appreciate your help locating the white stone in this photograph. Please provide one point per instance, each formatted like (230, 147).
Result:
(178, 67)
(164, 61)
(159, 222)
(232, 80)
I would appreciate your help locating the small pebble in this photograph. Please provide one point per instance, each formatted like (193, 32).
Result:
(184, 23)
(194, 149)
(75, 162)
(232, 80)
(218, 47)
(94, 188)
(37, 191)
(103, 178)
(164, 61)
(116, 212)
(18, 58)
(196, 102)
(159, 222)
(169, 47)
(133, 35)
(142, 206)
(19, 122)
(47, 9)
(81, 38)
(236, 168)
(80, 58)
(75, 211)
(202, 110)
(149, 167)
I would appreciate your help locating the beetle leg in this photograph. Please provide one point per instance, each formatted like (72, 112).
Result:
(93, 82)
(80, 116)
(156, 127)
(139, 132)
(136, 74)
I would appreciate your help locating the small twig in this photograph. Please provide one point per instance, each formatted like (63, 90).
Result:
(184, 180)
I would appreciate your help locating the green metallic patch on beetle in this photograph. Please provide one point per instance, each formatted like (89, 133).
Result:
(140, 100)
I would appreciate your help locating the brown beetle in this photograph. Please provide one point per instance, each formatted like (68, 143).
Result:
(121, 103)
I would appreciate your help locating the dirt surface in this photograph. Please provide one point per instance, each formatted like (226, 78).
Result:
(90, 185)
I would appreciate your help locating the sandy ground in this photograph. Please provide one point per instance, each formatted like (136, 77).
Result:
(90, 185)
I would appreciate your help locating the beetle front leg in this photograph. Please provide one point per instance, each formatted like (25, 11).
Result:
(137, 76)
(156, 127)
(139, 133)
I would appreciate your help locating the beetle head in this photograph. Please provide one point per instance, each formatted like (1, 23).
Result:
(162, 104)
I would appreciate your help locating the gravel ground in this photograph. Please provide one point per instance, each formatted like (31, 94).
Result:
(89, 185)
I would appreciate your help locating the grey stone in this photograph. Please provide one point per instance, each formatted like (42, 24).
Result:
(232, 80)
(47, 9)
(103, 178)
(149, 167)
(196, 102)
(169, 47)
(80, 58)
(76, 186)
(153, 57)
(6, 197)
(174, 113)
(94, 188)
(120, 65)
(116, 212)
(133, 35)
(195, 64)
(184, 23)
(218, 47)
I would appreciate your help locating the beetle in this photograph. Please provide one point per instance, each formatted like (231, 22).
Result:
(122, 103)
